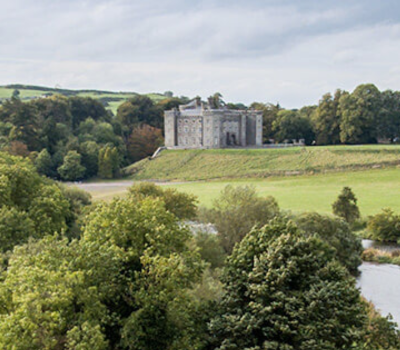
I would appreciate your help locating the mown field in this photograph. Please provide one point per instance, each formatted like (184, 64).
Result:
(375, 189)
(113, 99)
(193, 165)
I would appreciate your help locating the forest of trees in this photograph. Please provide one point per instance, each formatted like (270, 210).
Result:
(364, 116)
(73, 138)
(134, 274)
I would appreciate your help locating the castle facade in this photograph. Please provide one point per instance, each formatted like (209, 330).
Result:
(196, 125)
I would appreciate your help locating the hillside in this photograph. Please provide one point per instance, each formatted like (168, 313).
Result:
(110, 99)
(261, 163)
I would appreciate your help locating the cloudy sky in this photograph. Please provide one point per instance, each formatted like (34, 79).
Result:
(286, 51)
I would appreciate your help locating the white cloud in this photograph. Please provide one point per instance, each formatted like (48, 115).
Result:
(248, 50)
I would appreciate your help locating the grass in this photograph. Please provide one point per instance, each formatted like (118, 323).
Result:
(192, 165)
(375, 189)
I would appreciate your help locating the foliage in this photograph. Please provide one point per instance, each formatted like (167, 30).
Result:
(381, 332)
(143, 142)
(337, 234)
(108, 163)
(43, 163)
(345, 206)
(326, 119)
(30, 206)
(209, 248)
(358, 113)
(71, 169)
(138, 110)
(125, 284)
(385, 226)
(285, 291)
(290, 125)
(236, 211)
(182, 205)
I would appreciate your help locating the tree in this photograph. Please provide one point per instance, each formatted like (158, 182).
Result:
(285, 291)
(124, 285)
(71, 169)
(290, 125)
(15, 93)
(326, 119)
(388, 125)
(30, 205)
(346, 206)
(138, 110)
(44, 163)
(337, 234)
(182, 205)
(143, 142)
(108, 162)
(236, 211)
(359, 113)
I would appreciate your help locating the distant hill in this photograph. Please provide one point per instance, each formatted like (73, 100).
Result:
(110, 99)
(259, 163)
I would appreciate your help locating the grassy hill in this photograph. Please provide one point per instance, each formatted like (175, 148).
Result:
(261, 163)
(109, 98)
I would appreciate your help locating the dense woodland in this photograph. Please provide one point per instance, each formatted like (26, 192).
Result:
(135, 274)
(74, 138)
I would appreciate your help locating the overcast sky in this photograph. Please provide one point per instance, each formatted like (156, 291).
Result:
(284, 51)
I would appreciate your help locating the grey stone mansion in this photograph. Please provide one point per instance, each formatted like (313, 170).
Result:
(201, 125)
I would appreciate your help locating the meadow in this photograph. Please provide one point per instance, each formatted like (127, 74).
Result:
(375, 189)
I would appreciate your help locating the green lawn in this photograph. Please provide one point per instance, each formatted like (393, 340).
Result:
(375, 189)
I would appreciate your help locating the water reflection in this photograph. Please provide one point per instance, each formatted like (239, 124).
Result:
(380, 283)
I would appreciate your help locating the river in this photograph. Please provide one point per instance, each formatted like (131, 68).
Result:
(380, 283)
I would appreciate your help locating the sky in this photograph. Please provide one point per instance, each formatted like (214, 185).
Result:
(286, 51)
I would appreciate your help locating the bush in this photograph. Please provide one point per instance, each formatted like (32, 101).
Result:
(385, 226)
(182, 205)
(236, 211)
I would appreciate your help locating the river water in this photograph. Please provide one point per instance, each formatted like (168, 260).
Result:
(380, 283)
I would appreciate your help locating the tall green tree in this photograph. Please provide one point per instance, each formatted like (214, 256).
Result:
(327, 119)
(286, 291)
(359, 114)
(345, 206)
(72, 169)
(290, 125)
(44, 163)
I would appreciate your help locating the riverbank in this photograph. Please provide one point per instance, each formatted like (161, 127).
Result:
(381, 257)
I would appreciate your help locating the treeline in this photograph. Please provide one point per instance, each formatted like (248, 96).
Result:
(73, 138)
(133, 274)
(364, 116)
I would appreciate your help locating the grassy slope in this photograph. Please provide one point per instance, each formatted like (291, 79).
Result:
(260, 163)
(28, 92)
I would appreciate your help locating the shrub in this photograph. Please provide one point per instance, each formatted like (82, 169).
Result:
(182, 205)
(385, 226)
(236, 211)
